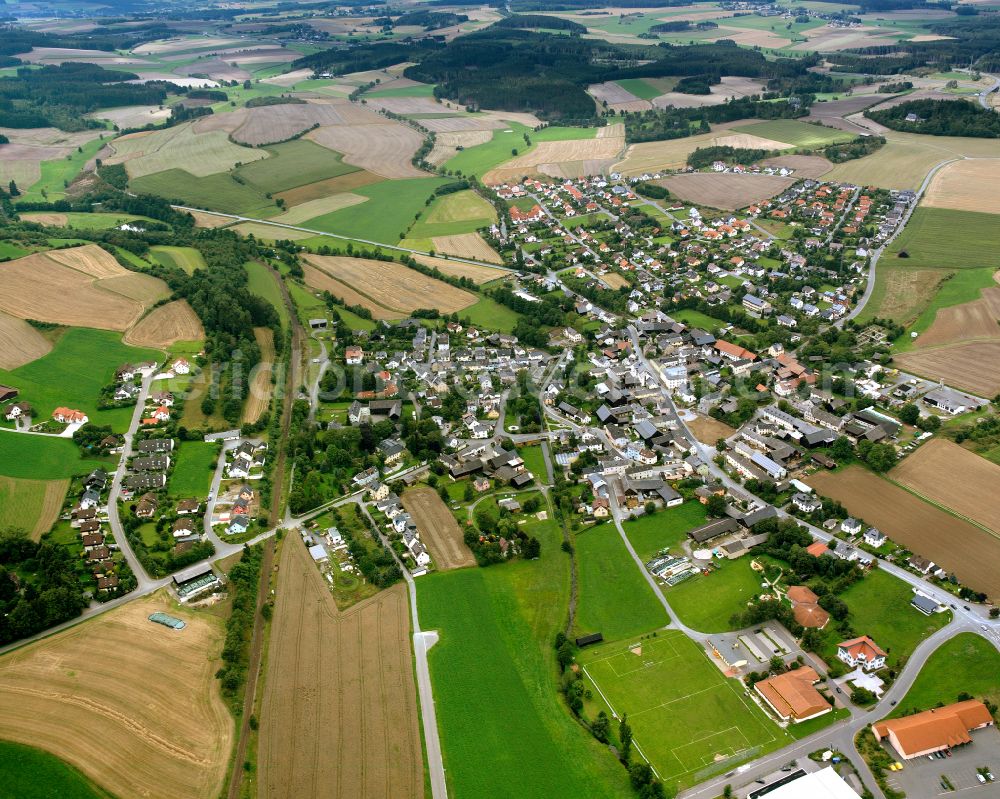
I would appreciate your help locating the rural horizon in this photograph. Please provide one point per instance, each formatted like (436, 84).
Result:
(539, 399)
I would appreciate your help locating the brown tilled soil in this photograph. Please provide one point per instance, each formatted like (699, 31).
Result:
(467, 245)
(953, 544)
(339, 715)
(133, 705)
(954, 477)
(725, 190)
(974, 366)
(709, 430)
(438, 528)
(805, 166)
(20, 343)
(970, 320)
(166, 325)
(260, 381)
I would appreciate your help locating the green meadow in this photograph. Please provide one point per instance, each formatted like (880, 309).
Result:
(29, 773)
(665, 529)
(965, 664)
(194, 466)
(943, 238)
(706, 602)
(43, 457)
(293, 164)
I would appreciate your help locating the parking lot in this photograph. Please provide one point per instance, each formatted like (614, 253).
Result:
(922, 778)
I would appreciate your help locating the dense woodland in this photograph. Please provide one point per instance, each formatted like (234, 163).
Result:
(940, 118)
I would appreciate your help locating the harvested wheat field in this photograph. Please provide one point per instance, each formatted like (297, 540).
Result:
(462, 124)
(974, 366)
(725, 190)
(31, 505)
(748, 141)
(261, 230)
(970, 320)
(669, 154)
(718, 94)
(260, 379)
(374, 143)
(408, 105)
(476, 273)
(274, 123)
(52, 219)
(133, 705)
(310, 209)
(804, 166)
(955, 545)
(166, 325)
(966, 186)
(390, 286)
(467, 245)
(617, 97)
(41, 287)
(20, 343)
(949, 475)
(324, 188)
(20, 160)
(321, 281)
(91, 260)
(205, 219)
(558, 152)
(133, 116)
(446, 145)
(200, 154)
(438, 529)
(339, 715)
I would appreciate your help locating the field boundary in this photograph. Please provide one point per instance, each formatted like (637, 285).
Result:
(944, 508)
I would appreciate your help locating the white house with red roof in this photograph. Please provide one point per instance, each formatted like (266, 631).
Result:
(861, 652)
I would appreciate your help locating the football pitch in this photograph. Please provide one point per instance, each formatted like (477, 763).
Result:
(688, 720)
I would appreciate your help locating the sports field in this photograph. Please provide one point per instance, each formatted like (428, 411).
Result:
(688, 720)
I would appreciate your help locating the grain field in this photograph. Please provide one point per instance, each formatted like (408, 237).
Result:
(20, 343)
(438, 529)
(166, 325)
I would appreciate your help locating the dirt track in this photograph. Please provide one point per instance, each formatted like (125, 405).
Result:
(339, 716)
(438, 529)
(953, 544)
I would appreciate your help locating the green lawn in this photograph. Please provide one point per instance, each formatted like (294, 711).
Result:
(495, 686)
(21, 503)
(194, 465)
(43, 457)
(664, 529)
(483, 157)
(490, 314)
(389, 212)
(684, 713)
(534, 461)
(794, 133)
(942, 238)
(706, 603)
(614, 597)
(420, 90)
(29, 773)
(639, 87)
(186, 258)
(689, 316)
(262, 283)
(214, 192)
(880, 608)
(8, 250)
(967, 663)
(293, 164)
(58, 173)
(82, 362)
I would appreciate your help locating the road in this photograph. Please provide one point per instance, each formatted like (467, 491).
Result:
(353, 239)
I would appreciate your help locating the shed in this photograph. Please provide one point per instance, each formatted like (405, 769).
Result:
(587, 640)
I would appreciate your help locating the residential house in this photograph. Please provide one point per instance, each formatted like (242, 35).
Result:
(861, 652)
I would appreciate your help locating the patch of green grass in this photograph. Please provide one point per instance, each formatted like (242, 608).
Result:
(639, 88)
(797, 134)
(194, 465)
(85, 221)
(966, 663)
(665, 529)
(614, 598)
(390, 210)
(494, 672)
(80, 364)
(185, 258)
(8, 250)
(420, 90)
(964, 285)
(943, 238)
(534, 461)
(482, 158)
(217, 192)
(451, 215)
(810, 726)
(29, 773)
(690, 316)
(706, 603)
(293, 164)
(880, 608)
(262, 283)
(57, 174)
(683, 711)
(21, 503)
(490, 314)
(43, 457)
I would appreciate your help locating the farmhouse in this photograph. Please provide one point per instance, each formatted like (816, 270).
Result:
(792, 696)
(863, 652)
(17, 410)
(712, 530)
(934, 730)
(7, 393)
(69, 416)
(195, 580)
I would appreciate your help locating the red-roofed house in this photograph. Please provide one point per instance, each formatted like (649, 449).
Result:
(734, 352)
(817, 548)
(863, 652)
(69, 416)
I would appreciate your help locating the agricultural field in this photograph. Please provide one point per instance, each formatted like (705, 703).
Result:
(388, 288)
(965, 308)
(966, 186)
(709, 430)
(43, 457)
(687, 719)
(20, 343)
(83, 709)
(186, 258)
(939, 238)
(30, 773)
(665, 529)
(31, 505)
(614, 597)
(199, 154)
(805, 166)
(508, 618)
(966, 663)
(438, 529)
(554, 157)
(355, 730)
(293, 164)
(166, 325)
(478, 274)
(903, 294)
(797, 134)
(955, 545)
(82, 362)
(22, 159)
(706, 603)
(659, 155)
(259, 399)
(466, 245)
(725, 190)
(374, 143)
(949, 475)
(972, 366)
(194, 466)
(218, 192)
(82, 286)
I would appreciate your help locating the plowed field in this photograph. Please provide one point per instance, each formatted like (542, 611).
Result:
(438, 529)
(20, 343)
(167, 325)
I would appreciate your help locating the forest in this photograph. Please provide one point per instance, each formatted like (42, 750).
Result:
(940, 118)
